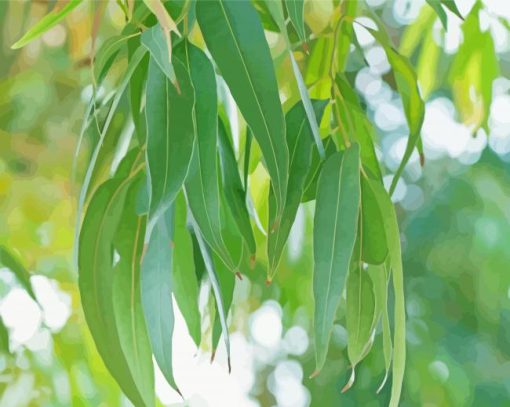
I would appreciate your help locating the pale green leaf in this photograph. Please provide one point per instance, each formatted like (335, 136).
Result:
(334, 235)
(47, 22)
(296, 12)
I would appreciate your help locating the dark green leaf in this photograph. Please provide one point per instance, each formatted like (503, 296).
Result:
(296, 11)
(154, 40)
(441, 13)
(170, 133)
(334, 235)
(234, 35)
(300, 144)
(4, 338)
(310, 186)
(375, 247)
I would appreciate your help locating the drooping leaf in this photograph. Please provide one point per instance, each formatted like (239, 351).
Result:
(334, 235)
(233, 189)
(202, 189)
(154, 40)
(9, 260)
(452, 6)
(185, 285)
(375, 247)
(137, 92)
(106, 54)
(300, 144)
(441, 13)
(126, 297)
(395, 262)
(345, 32)
(296, 11)
(234, 36)
(414, 107)
(216, 287)
(360, 309)
(48, 21)
(156, 292)
(170, 133)
(95, 263)
(4, 338)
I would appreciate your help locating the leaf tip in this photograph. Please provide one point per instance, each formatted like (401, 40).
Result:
(213, 355)
(422, 159)
(229, 365)
(239, 275)
(350, 382)
(314, 374)
(253, 260)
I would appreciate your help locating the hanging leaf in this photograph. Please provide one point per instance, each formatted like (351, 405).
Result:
(299, 143)
(126, 297)
(7, 259)
(375, 247)
(154, 40)
(395, 261)
(407, 85)
(156, 292)
(441, 13)
(345, 33)
(232, 187)
(296, 12)
(234, 36)
(185, 285)
(4, 338)
(334, 234)
(137, 91)
(170, 133)
(202, 189)
(48, 21)
(95, 263)
(360, 310)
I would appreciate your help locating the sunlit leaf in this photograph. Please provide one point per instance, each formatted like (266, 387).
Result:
(234, 36)
(9, 260)
(47, 22)
(334, 235)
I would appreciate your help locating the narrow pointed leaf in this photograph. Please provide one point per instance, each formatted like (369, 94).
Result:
(137, 92)
(334, 235)
(170, 133)
(156, 292)
(233, 189)
(4, 338)
(300, 144)
(95, 262)
(126, 296)
(399, 339)
(441, 13)
(360, 310)
(48, 21)
(155, 41)
(185, 283)
(234, 36)
(7, 259)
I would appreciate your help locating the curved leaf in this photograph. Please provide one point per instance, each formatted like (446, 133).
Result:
(234, 36)
(7, 259)
(296, 12)
(126, 296)
(48, 21)
(334, 235)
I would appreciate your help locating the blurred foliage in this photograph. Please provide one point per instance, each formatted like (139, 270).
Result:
(456, 237)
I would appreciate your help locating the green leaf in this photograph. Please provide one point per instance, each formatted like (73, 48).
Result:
(202, 189)
(170, 133)
(7, 259)
(300, 144)
(156, 291)
(216, 286)
(375, 247)
(441, 13)
(345, 32)
(137, 92)
(296, 12)
(155, 41)
(106, 54)
(395, 261)
(452, 6)
(234, 36)
(47, 22)
(185, 285)
(360, 309)
(334, 235)
(95, 263)
(310, 186)
(232, 187)
(414, 107)
(133, 64)
(126, 296)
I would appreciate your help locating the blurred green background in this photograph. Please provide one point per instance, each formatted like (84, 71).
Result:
(454, 215)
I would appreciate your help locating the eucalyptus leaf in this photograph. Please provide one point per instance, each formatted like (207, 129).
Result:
(296, 12)
(335, 229)
(9, 260)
